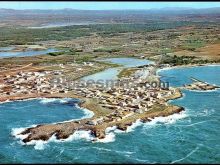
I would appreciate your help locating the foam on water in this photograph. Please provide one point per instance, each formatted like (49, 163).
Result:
(168, 119)
(134, 125)
(9, 101)
(16, 131)
(86, 135)
(111, 131)
(109, 137)
(81, 134)
(38, 144)
(88, 113)
(51, 100)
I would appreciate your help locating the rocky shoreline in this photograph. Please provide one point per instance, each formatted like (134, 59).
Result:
(117, 106)
(121, 117)
(64, 130)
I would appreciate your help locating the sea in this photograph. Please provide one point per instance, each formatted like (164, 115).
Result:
(192, 136)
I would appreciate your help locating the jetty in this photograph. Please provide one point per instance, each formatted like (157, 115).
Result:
(200, 85)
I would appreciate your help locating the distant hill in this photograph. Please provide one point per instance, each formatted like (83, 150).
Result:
(39, 17)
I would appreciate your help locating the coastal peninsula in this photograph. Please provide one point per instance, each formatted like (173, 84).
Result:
(118, 106)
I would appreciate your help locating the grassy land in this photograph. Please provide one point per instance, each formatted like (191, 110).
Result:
(21, 36)
(107, 49)
(184, 60)
(126, 72)
(193, 43)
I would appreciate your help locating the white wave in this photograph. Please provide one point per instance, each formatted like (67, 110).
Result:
(102, 149)
(168, 119)
(81, 134)
(9, 101)
(214, 65)
(109, 137)
(164, 69)
(109, 129)
(175, 161)
(134, 125)
(206, 112)
(117, 151)
(51, 100)
(43, 100)
(197, 123)
(144, 161)
(16, 131)
(38, 144)
(88, 113)
(6, 101)
(86, 135)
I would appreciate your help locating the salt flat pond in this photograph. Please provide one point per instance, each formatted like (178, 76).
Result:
(62, 24)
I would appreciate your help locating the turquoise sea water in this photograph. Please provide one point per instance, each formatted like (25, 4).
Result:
(181, 76)
(189, 137)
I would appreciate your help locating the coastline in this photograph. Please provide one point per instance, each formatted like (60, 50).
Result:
(45, 132)
(98, 131)
(187, 66)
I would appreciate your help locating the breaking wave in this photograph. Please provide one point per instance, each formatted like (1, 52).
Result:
(110, 131)
(54, 100)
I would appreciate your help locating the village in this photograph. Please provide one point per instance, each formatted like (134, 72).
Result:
(29, 83)
(129, 96)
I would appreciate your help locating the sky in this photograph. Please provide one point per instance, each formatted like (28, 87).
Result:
(103, 5)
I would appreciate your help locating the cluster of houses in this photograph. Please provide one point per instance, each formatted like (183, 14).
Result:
(125, 101)
(30, 83)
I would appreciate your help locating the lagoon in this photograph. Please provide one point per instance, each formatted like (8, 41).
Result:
(111, 73)
(9, 53)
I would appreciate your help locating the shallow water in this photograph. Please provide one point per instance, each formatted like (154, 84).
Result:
(26, 53)
(6, 48)
(111, 73)
(189, 137)
(61, 24)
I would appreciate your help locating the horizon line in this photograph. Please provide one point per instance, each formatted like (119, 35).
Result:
(115, 9)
